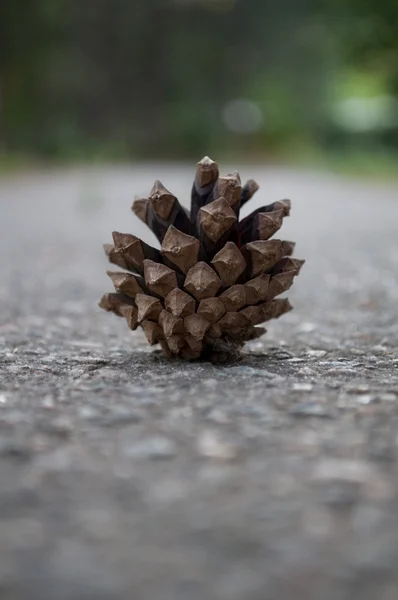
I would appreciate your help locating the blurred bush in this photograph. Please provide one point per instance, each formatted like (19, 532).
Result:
(175, 78)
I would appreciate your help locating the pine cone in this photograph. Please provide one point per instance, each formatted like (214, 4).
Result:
(215, 278)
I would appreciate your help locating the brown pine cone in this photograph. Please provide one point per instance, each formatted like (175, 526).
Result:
(214, 279)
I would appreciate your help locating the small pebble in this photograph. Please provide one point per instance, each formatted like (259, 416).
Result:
(306, 327)
(380, 348)
(48, 401)
(156, 447)
(119, 416)
(218, 416)
(110, 375)
(361, 388)
(10, 448)
(210, 383)
(252, 372)
(311, 409)
(340, 494)
(306, 371)
(88, 413)
(341, 371)
(212, 445)
(365, 399)
(387, 397)
(343, 470)
(62, 426)
(316, 353)
(373, 483)
(302, 387)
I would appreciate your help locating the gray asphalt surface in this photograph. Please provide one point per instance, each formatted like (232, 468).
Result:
(123, 475)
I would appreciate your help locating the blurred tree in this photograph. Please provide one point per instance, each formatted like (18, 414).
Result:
(152, 78)
(368, 30)
(21, 48)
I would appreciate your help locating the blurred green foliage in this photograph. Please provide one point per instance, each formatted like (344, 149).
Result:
(154, 78)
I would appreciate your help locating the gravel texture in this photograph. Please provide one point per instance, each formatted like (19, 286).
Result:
(123, 475)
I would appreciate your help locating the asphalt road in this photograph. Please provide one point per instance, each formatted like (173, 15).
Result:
(123, 475)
